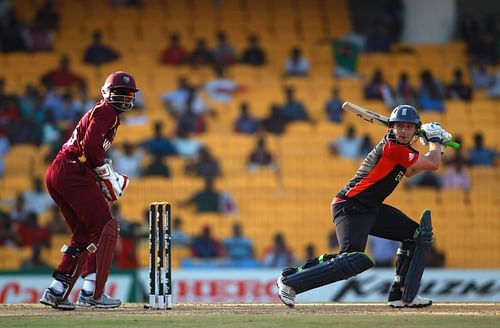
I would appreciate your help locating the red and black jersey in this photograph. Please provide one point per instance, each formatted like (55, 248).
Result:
(93, 135)
(379, 173)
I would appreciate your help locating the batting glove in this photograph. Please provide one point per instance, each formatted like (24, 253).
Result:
(431, 132)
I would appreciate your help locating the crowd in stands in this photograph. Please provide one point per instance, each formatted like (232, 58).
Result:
(45, 114)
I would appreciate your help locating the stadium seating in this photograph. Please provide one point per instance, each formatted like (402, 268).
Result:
(296, 200)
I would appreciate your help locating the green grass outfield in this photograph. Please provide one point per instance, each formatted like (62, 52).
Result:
(256, 315)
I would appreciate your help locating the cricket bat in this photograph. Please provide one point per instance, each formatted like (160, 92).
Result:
(376, 118)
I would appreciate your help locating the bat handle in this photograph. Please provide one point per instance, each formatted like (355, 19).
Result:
(452, 144)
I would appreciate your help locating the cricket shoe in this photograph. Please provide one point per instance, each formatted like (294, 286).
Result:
(285, 293)
(104, 302)
(418, 302)
(51, 298)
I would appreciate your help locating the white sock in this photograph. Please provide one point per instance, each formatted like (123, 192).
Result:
(57, 286)
(89, 283)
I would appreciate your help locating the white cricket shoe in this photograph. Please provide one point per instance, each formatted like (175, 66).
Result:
(51, 298)
(104, 302)
(418, 302)
(285, 293)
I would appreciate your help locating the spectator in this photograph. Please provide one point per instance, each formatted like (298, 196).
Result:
(333, 242)
(50, 132)
(480, 155)
(57, 225)
(37, 200)
(174, 53)
(239, 248)
(205, 200)
(32, 234)
(205, 165)
(205, 246)
(494, 90)
(9, 117)
(436, 258)
(20, 130)
(84, 102)
(201, 55)
(457, 155)
(47, 17)
(224, 54)
(279, 255)
(254, 54)
(275, 123)
(129, 160)
(221, 89)
(98, 53)
(296, 64)
(456, 177)
(346, 58)
(189, 120)
(481, 78)
(457, 89)
(405, 92)
(53, 100)
(29, 103)
(430, 94)
(179, 236)
(13, 33)
(8, 236)
(176, 101)
(425, 179)
(157, 167)
(42, 32)
(378, 88)
(378, 40)
(347, 146)
(261, 156)
(159, 144)
(126, 249)
(333, 107)
(383, 251)
(366, 146)
(184, 145)
(293, 109)
(310, 251)
(62, 76)
(35, 262)
(4, 150)
(246, 123)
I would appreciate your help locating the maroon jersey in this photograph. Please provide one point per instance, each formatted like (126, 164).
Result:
(379, 173)
(93, 135)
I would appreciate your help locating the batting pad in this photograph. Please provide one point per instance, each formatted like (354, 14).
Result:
(416, 270)
(104, 255)
(340, 267)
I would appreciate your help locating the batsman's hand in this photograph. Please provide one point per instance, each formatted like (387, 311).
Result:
(113, 184)
(431, 132)
(445, 137)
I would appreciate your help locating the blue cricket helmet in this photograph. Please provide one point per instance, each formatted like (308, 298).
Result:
(405, 114)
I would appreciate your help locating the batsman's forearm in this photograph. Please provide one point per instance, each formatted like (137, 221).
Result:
(434, 154)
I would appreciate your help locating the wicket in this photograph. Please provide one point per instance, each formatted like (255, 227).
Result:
(160, 253)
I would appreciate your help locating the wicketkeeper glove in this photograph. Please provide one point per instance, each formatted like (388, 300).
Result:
(113, 184)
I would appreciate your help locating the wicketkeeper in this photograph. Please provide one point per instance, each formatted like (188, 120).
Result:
(82, 183)
(358, 211)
